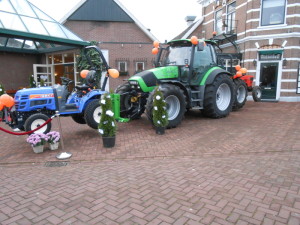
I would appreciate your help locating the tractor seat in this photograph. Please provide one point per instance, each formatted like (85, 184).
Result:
(82, 87)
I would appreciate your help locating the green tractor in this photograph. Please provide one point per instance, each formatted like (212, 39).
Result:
(188, 74)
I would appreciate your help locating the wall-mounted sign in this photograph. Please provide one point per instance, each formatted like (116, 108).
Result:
(270, 55)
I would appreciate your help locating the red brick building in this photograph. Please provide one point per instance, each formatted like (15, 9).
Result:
(266, 32)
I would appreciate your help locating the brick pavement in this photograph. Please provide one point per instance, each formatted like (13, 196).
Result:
(243, 169)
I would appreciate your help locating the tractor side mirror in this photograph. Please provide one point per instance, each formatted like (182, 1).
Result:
(200, 46)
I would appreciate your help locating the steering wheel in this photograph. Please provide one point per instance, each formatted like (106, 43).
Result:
(66, 80)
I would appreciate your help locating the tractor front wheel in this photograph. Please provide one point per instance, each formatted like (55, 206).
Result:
(176, 104)
(241, 92)
(92, 114)
(36, 120)
(219, 97)
(131, 106)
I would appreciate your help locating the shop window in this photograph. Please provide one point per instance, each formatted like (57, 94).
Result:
(139, 66)
(218, 22)
(68, 57)
(273, 12)
(231, 22)
(57, 58)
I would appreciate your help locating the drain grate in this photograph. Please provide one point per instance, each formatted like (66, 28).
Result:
(55, 164)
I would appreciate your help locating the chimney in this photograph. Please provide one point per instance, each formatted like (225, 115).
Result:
(190, 19)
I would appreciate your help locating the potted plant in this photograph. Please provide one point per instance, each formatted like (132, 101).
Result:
(53, 139)
(159, 112)
(107, 126)
(37, 141)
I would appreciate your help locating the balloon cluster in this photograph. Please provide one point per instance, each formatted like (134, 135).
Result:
(156, 47)
(112, 72)
(6, 101)
(240, 71)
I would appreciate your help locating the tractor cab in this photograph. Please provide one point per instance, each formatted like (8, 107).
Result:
(193, 61)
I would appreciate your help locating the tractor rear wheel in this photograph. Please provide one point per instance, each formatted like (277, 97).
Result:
(36, 120)
(78, 118)
(92, 114)
(176, 104)
(131, 106)
(219, 97)
(241, 94)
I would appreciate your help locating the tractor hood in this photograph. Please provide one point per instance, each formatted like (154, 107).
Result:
(34, 92)
(148, 79)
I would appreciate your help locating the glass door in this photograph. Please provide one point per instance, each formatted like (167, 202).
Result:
(43, 72)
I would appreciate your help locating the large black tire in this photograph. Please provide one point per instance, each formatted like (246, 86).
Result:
(176, 104)
(92, 114)
(129, 109)
(78, 118)
(256, 93)
(241, 93)
(219, 97)
(36, 120)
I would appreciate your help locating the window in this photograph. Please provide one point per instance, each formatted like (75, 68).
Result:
(273, 12)
(122, 66)
(218, 22)
(298, 80)
(139, 66)
(231, 23)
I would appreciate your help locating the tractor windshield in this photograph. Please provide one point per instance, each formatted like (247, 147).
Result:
(175, 56)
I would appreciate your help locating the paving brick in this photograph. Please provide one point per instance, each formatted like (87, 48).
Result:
(236, 171)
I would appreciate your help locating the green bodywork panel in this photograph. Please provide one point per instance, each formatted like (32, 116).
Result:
(206, 75)
(116, 108)
(161, 73)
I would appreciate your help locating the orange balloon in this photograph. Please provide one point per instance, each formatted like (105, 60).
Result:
(237, 67)
(1, 106)
(156, 44)
(243, 70)
(113, 73)
(7, 100)
(194, 40)
(84, 73)
(154, 51)
(214, 33)
(239, 74)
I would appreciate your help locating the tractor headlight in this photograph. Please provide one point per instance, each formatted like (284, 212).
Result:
(134, 84)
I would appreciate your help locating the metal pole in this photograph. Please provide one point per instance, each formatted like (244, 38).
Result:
(60, 130)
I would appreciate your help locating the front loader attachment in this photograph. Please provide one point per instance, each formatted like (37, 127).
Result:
(116, 108)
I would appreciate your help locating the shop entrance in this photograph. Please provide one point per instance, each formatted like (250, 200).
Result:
(268, 80)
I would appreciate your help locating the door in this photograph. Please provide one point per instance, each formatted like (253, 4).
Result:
(268, 80)
(43, 72)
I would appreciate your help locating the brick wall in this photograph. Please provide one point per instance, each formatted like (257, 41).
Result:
(15, 69)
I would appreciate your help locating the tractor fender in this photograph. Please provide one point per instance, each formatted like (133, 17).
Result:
(85, 100)
(177, 83)
(210, 79)
(211, 76)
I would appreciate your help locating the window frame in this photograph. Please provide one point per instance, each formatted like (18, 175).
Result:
(216, 21)
(126, 66)
(232, 25)
(136, 66)
(262, 13)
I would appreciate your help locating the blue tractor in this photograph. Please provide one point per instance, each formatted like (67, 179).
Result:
(34, 106)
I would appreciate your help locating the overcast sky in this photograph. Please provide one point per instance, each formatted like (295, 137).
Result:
(165, 18)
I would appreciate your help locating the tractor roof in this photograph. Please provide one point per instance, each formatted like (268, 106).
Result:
(188, 42)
